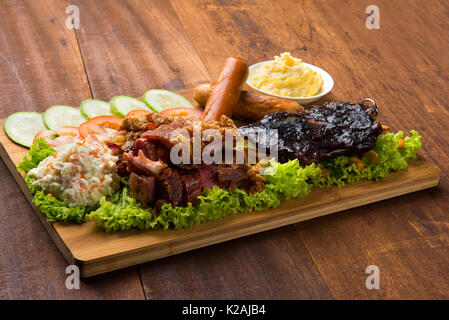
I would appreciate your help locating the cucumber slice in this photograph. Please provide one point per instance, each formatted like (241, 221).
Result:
(60, 116)
(122, 105)
(92, 108)
(21, 127)
(159, 100)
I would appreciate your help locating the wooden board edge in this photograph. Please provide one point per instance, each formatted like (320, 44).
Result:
(54, 235)
(118, 261)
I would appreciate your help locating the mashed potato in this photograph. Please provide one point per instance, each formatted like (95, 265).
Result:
(286, 76)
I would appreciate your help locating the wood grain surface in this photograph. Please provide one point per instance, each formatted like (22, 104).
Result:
(127, 47)
(41, 66)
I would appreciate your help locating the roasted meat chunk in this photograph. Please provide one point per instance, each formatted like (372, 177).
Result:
(321, 132)
(142, 189)
(144, 166)
(146, 143)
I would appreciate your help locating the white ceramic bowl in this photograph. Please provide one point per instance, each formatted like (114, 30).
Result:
(326, 87)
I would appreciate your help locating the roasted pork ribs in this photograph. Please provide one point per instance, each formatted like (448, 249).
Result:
(319, 133)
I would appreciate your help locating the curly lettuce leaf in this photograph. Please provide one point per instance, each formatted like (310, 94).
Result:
(269, 198)
(29, 182)
(411, 146)
(391, 158)
(38, 152)
(124, 212)
(214, 204)
(285, 181)
(121, 212)
(54, 209)
(290, 179)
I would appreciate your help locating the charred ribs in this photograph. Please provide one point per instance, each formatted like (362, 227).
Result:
(319, 133)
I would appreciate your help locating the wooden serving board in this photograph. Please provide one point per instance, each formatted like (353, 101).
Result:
(96, 251)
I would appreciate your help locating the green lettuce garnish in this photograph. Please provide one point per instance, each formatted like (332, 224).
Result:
(214, 204)
(124, 212)
(286, 181)
(290, 180)
(390, 159)
(38, 152)
(121, 212)
(54, 209)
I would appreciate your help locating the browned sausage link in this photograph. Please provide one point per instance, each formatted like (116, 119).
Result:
(251, 106)
(226, 90)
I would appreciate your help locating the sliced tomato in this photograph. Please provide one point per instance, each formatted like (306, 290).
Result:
(100, 128)
(59, 137)
(181, 112)
(137, 112)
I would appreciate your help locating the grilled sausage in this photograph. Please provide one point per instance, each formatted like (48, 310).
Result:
(226, 90)
(251, 106)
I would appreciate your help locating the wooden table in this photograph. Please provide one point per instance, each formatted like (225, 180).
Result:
(128, 47)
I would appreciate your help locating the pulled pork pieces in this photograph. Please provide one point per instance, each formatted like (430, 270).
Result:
(146, 142)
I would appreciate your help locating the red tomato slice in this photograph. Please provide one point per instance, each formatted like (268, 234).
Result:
(180, 112)
(59, 137)
(137, 112)
(100, 128)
